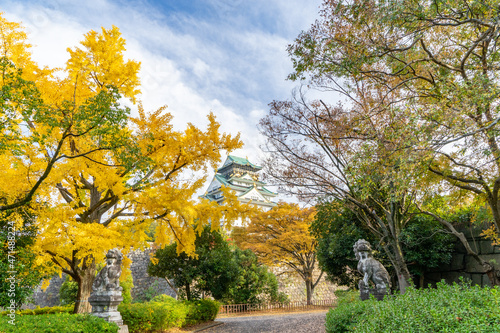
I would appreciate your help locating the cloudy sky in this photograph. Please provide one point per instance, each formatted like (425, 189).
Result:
(197, 56)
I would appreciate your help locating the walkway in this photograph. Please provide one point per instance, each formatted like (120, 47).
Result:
(312, 322)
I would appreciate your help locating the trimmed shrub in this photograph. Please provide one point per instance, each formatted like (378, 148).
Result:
(165, 312)
(164, 299)
(57, 323)
(153, 316)
(448, 308)
(348, 312)
(201, 310)
(46, 310)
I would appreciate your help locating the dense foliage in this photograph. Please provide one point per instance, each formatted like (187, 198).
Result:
(337, 229)
(425, 244)
(212, 270)
(225, 272)
(254, 283)
(164, 312)
(45, 310)
(448, 308)
(280, 238)
(58, 323)
(18, 279)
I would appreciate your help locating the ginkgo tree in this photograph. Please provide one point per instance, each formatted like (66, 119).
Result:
(111, 198)
(107, 206)
(281, 237)
(43, 110)
(101, 177)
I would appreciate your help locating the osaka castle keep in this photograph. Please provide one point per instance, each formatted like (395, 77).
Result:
(241, 176)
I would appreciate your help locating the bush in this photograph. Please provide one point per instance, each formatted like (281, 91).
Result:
(201, 310)
(68, 291)
(153, 316)
(164, 312)
(57, 323)
(46, 310)
(348, 312)
(448, 308)
(164, 299)
(127, 285)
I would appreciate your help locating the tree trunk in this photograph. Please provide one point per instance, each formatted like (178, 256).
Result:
(397, 260)
(85, 280)
(309, 290)
(404, 277)
(188, 291)
(173, 287)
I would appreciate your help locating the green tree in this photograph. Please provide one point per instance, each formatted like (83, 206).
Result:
(224, 271)
(336, 229)
(434, 65)
(424, 241)
(212, 269)
(254, 283)
(17, 262)
(426, 245)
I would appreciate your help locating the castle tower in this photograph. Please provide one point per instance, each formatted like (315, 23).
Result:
(241, 176)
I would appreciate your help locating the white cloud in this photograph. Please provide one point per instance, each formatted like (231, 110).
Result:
(231, 61)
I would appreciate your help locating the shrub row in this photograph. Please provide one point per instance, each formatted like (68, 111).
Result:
(164, 312)
(47, 310)
(448, 308)
(57, 323)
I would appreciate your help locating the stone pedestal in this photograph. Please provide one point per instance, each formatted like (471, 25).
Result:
(105, 305)
(365, 293)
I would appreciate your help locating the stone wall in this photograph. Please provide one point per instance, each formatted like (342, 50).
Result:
(294, 286)
(49, 296)
(464, 265)
(146, 286)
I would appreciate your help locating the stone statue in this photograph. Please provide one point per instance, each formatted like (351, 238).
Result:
(106, 291)
(108, 277)
(372, 270)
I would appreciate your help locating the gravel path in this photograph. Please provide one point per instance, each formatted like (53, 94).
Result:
(312, 322)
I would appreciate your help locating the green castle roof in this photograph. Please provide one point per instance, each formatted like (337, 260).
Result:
(243, 161)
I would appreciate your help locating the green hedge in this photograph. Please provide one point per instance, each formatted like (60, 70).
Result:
(153, 316)
(47, 310)
(57, 323)
(448, 308)
(164, 312)
(201, 311)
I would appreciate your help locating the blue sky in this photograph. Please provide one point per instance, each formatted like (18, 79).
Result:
(224, 56)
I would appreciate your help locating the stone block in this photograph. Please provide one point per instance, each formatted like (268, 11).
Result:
(433, 277)
(472, 266)
(459, 247)
(486, 281)
(457, 262)
(477, 279)
(486, 247)
(451, 277)
(123, 329)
